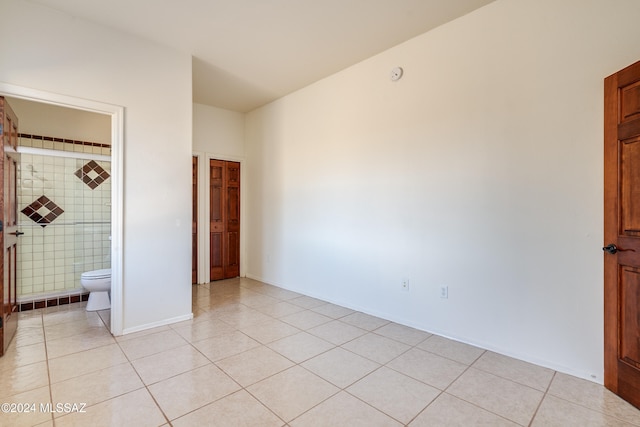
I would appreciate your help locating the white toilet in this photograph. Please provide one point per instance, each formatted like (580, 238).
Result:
(98, 283)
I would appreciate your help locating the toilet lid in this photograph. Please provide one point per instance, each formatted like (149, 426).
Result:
(97, 274)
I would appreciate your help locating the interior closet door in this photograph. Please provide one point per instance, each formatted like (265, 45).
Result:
(224, 219)
(622, 233)
(9, 232)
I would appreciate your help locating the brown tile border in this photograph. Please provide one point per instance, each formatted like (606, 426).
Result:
(53, 302)
(65, 140)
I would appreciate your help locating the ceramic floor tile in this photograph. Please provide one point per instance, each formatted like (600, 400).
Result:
(28, 335)
(223, 346)
(74, 365)
(36, 412)
(23, 355)
(427, 367)
(228, 307)
(31, 318)
(340, 367)
(510, 400)
(306, 302)
(172, 362)
(344, 410)
(280, 309)
(192, 390)
(23, 378)
(556, 412)
(300, 347)
(97, 337)
(65, 308)
(332, 310)
(200, 330)
(448, 411)
(364, 321)
(64, 330)
(305, 319)
(254, 365)
(269, 331)
(97, 386)
(515, 370)
(140, 334)
(132, 409)
(151, 344)
(238, 409)
(337, 332)
(593, 396)
(292, 392)
(454, 350)
(377, 348)
(105, 315)
(279, 293)
(395, 394)
(258, 300)
(404, 334)
(244, 318)
(51, 318)
(203, 304)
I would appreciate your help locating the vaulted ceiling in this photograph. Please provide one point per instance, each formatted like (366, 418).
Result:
(247, 53)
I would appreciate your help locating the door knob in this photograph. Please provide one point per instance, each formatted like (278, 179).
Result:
(17, 233)
(612, 249)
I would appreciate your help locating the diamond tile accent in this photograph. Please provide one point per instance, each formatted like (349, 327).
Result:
(43, 211)
(92, 174)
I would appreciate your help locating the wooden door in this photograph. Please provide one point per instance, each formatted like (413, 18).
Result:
(194, 222)
(224, 219)
(622, 233)
(9, 234)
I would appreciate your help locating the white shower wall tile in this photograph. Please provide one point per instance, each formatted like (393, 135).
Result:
(52, 258)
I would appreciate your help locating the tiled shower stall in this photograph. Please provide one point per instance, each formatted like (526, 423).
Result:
(64, 204)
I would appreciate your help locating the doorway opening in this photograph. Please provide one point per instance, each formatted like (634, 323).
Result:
(95, 170)
(63, 201)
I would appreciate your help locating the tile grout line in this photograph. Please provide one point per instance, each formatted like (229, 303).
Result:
(544, 396)
(46, 355)
(144, 385)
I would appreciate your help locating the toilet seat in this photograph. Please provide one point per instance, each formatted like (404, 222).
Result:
(96, 274)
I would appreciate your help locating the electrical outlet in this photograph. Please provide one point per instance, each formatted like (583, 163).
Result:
(444, 291)
(405, 285)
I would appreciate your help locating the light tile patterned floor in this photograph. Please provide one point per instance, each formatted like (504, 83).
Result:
(257, 355)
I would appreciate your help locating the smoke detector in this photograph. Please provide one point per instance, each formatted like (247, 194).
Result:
(396, 74)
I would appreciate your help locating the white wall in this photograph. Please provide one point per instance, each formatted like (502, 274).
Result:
(56, 53)
(218, 131)
(481, 169)
(37, 118)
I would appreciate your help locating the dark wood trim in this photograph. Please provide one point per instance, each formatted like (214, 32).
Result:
(610, 231)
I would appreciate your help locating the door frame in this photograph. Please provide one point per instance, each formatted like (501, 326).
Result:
(117, 182)
(204, 250)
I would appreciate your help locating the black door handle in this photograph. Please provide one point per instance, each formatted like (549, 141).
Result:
(612, 249)
(17, 233)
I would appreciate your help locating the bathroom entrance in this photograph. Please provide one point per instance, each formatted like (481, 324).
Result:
(63, 191)
(224, 219)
